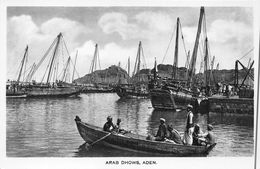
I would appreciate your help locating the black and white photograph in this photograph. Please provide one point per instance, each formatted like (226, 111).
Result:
(130, 85)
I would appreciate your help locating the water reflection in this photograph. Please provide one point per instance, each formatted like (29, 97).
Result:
(46, 127)
(134, 114)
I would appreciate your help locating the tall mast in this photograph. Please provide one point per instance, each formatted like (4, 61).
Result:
(23, 60)
(54, 54)
(139, 57)
(128, 66)
(175, 63)
(211, 70)
(206, 73)
(94, 61)
(138, 62)
(155, 69)
(74, 66)
(187, 65)
(195, 49)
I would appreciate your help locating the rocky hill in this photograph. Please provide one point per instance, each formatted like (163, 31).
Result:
(114, 74)
(111, 75)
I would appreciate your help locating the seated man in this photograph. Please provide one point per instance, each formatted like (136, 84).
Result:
(210, 138)
(207, 137)
(162, 131)
(173, 135)
(197, 136)
(118, 128)
(109, 126)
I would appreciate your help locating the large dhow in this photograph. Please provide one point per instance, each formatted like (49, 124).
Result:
(58, 81)
(137, 143)
(172, 93)
(137, 86)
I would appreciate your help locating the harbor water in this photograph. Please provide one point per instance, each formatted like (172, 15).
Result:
(46, 127)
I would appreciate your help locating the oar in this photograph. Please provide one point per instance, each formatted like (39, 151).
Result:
(87, 146)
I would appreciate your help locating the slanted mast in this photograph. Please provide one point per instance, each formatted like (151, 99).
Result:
(74, 67)
(195, 49)
(54, 70)
(93, 66)
(53, 57)
(137, 67)
(23, 60)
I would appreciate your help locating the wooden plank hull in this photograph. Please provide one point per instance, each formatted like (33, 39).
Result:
(53, 92)
(126, 93)
(16, 91)
(167, 99)
(16, 95)
(138, 143)
(97, 90)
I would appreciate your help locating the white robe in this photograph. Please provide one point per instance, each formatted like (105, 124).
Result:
(187, 138)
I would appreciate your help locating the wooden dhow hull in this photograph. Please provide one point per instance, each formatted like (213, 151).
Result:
(15, 91)
(137, 143)
(53, 92)
(129, 93)
(170, 100)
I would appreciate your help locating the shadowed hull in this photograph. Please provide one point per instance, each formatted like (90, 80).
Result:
(166, 99)
(138, 143)
(53, 92)
(126, 93)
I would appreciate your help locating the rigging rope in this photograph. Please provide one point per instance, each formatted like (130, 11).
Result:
(246, 53)
(182, 37)
(44, 56)
(169, 44)
(143, 57)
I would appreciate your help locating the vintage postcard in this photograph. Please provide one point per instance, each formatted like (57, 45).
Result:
(114, 84)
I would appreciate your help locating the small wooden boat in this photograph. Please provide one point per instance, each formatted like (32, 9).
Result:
(138, 143)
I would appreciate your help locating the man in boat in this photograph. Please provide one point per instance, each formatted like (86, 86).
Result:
(162, 131)
(118, 128)
(209, 136)
(173, 135)
(189, 120)
(197, 136)
(109, 126)
(203, 138)
(187, 138)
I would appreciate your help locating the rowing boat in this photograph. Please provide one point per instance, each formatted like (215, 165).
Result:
(138, 143)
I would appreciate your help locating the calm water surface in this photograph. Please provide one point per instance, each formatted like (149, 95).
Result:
(46, 127)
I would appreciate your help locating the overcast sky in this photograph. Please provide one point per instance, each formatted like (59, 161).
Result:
(118, 30)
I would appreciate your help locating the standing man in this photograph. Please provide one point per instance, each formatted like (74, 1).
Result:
(187, 138)
(189, 120)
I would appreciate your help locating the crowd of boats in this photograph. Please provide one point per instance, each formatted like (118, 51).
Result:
(172, 92)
